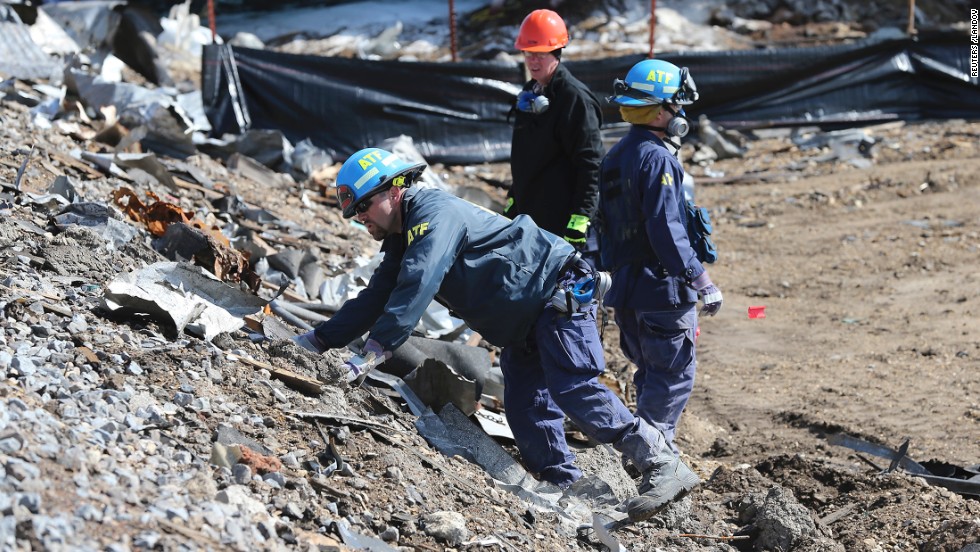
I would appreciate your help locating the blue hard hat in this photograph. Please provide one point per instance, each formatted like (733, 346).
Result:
(371, 171)
(654, 81)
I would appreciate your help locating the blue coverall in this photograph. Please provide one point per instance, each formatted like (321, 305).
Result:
(644, 243)
(499, 276)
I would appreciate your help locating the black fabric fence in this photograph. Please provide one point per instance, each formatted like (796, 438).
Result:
(458, 112)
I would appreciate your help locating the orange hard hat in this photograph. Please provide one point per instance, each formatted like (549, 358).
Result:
(542, 31)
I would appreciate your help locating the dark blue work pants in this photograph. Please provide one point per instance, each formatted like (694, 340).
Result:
(661, 344)
(556, 374)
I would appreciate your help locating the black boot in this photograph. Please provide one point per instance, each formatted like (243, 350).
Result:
(663, 482)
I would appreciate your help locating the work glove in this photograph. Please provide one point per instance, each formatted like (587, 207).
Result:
(310, 342)
(532, 102)
(575, 232)
(709, 293)
(372, 354)
(508, 206)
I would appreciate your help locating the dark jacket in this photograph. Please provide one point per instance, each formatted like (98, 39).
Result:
(494, 273)
(555, 155)
(643, 228)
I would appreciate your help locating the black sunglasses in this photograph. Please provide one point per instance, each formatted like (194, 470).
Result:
(362, 206)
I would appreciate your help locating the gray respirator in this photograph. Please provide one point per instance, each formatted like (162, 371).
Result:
(532, 102)
(678, 126)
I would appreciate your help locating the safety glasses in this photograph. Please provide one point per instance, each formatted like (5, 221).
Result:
(362, 206)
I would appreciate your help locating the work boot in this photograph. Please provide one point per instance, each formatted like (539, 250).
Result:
(662, 484)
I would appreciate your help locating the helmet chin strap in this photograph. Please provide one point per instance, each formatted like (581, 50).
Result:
(677, 127)
(669, 137)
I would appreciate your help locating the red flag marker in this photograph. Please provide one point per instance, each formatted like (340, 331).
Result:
(757, 312)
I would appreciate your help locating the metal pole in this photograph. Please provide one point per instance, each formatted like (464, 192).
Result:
(452, 28)
(653, 25)
(211, 22)
(289, 316)
(911, 28)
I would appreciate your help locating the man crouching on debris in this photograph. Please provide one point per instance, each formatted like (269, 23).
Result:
(520, 287)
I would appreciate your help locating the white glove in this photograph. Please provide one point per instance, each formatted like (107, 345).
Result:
(310, 342)
(709, 293)
(359, 365)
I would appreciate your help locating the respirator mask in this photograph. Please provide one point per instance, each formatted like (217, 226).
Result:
(532, 102)
(678, 126)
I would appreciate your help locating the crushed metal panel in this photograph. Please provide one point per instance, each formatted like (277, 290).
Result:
(91, 24)
(22, 58)
(969, 486)
(861, 445)
(436, 384)
(98, 218)
(49, 35)
(602, 524)
(489, 455)
(182, 296)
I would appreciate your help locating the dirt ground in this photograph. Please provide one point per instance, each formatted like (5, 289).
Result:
(865, 265)
(868, 279)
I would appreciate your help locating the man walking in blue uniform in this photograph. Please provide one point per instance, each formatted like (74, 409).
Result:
(524, 289)
(656, 275)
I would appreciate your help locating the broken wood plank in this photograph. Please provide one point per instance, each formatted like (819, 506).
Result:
(46, 295)
(75, 164)
(296, 381)
(10, 164)
(57, 309)
(291, 295)
(344, 420)
(197, 537)
(89, 355)
(181, 183)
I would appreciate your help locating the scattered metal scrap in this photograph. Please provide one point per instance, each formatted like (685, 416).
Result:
(603, 524)
(23, 167)
(20, 56)
(182, 296)
(851, 145)
(965, 481)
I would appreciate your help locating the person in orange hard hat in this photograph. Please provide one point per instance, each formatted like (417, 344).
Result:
(556, 147)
